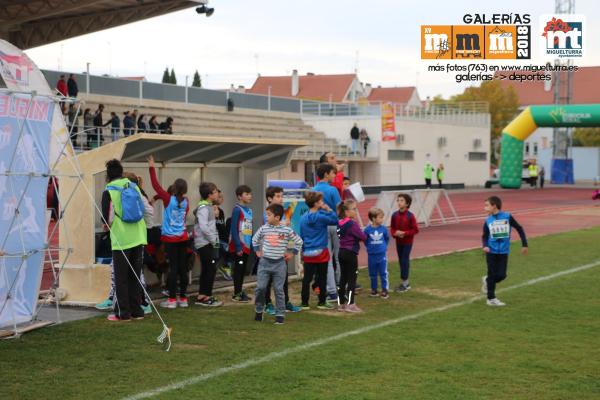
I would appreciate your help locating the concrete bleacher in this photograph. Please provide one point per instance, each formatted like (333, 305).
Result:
(194, 119)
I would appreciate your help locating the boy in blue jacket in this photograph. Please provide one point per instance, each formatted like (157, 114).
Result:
(315, 254)
(377, 243)
(496, 245)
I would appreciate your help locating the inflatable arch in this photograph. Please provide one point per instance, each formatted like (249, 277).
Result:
(532, 117)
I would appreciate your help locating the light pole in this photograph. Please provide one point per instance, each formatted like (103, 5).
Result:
(87, 78)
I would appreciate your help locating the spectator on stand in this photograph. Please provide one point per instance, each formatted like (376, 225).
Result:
(153, 125)
(355, 137)
(61, 86)
(134, 117)
(364, 140)
(115, 126)
(88, 126)
(166, 127)
(128, 124)
(141, 124)
(72, 88)
(99, 124)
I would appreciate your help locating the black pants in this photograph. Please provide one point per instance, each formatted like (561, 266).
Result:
(428, 183)
(128, 290)
(542, 182)
(439, 184)
(239, 270)
(178, 268)
(496, 272)
(208, 269)
(348, 274)
(310, 270)
(286, 293)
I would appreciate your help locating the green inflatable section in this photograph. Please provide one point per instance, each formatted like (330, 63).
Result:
(533, 117)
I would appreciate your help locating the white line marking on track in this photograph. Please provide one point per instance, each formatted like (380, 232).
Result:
(280, 354)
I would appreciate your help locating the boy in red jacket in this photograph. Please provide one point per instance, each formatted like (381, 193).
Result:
(404, 228)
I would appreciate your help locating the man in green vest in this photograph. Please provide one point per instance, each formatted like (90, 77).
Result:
(428, 174)
(533, 173)
(128, 240)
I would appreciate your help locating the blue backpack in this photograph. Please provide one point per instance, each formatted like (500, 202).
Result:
(131, 203)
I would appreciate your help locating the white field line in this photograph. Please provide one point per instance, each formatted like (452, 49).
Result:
(309, 345)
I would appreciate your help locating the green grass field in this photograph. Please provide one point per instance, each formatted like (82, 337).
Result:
(543, 345)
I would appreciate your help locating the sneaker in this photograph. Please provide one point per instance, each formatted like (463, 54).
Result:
(209, 302)
(495, 303)
(115, 318)
(484, 284)
(240, 298)
(147, 309)
(270, 309)
(279, 320)
(246, 298)
(332, 299)
(258, 317)
(225, 272)
(182, 302)
(402, 288)
(305, 307)
(341, 307)
(385, 295)
(325, 306)
(353, 308)
(289, 307)
(105, 305)
(169, 303)
(373, 293)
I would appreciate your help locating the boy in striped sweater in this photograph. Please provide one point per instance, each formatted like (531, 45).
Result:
(271, 244)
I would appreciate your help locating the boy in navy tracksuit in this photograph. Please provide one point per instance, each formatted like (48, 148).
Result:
(496, 245)
(315, 254)
(377, 242)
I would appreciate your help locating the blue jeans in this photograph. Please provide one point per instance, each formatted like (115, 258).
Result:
(404, 259)
(378, 268)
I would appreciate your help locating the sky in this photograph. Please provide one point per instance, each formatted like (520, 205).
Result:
(380, 39)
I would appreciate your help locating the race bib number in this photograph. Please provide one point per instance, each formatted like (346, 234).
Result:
(499, 229)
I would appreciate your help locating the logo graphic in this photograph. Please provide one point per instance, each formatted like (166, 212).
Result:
(376, 237)
(562, 35)
(15, 68)
(475, 42)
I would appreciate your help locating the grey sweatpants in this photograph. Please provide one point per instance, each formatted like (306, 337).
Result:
(267, 268)
(333, 274)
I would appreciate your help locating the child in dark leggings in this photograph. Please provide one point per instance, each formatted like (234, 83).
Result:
(175, 236)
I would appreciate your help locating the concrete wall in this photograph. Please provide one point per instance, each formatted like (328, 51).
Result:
(422, 138)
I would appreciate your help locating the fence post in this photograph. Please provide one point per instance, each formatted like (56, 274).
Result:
(141, 91)
(301, 108)
(269, 99)
(186, 89)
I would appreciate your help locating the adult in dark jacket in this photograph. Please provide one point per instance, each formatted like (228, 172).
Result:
(72, 88)
(166, 127)
(128, 124)
(153, 125)
(355, 136)
(99, 124)
(141, 124)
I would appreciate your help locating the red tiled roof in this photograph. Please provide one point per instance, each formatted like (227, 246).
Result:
(586, 82)
(392, 94)
(313, 87)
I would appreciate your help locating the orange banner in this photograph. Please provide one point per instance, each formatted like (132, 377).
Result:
(388, 121)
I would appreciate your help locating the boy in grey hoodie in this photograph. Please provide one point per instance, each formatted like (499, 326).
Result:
(206, 243)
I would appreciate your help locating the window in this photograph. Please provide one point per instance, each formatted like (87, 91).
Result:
(477, 156)
(526, 148)
(535, 149)
(294, 166)
(401, 155)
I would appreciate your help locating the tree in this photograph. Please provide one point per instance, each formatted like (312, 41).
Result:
(586, 137)
(173, 79)
(503, 102)
(166, 78)
(197, 82)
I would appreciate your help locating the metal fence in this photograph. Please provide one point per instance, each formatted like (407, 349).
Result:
(469, 112)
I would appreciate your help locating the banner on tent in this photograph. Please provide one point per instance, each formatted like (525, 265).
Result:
(24, 152)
